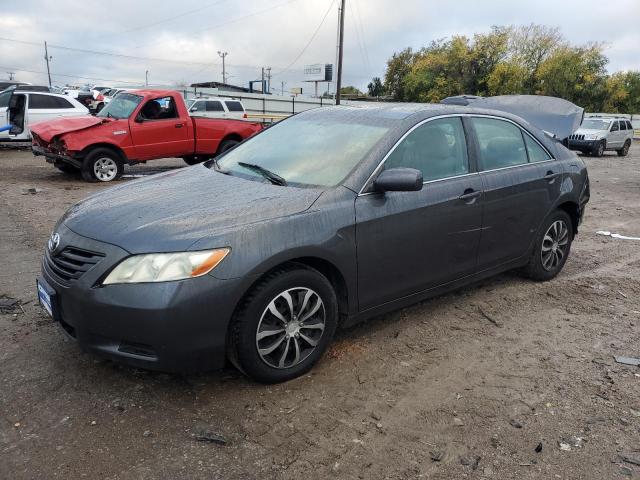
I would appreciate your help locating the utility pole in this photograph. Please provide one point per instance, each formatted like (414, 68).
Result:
(11, 74)
(146, 78)
(340, 51)
(283, 83)
(222, 55)
(263, 80)
(47, 58)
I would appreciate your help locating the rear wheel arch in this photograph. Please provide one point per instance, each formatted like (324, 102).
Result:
(573, 210)
(231, 138)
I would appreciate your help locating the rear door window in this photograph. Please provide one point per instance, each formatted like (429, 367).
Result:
(623, 125)
(214, 106)
(41, 102)
(437, 148)
(4, 98)
(501, 143)
(536, 152)
(234, 106)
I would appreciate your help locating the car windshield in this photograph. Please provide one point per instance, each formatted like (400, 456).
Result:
(121, 106)
(593, 124)
(305, 151)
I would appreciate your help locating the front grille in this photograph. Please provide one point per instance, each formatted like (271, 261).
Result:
(71, 263)
(576, 136)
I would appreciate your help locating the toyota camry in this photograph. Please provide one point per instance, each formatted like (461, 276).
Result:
(325, 219)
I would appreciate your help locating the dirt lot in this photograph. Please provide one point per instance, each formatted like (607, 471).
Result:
(469, 385)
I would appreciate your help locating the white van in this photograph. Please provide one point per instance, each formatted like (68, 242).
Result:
(216, 108)
(21, 108)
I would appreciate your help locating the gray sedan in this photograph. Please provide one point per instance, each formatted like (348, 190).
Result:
(323, 220)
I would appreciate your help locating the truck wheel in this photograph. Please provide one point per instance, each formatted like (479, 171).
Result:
(599, 150)
(227, 145)
(102, 165)
(624, 150)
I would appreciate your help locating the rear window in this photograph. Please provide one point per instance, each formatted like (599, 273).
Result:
(629, 126)
(214, 106)
(234, 106)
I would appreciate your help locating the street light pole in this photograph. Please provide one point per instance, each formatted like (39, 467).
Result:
(146, 78)
(224, 72)
(340, 51)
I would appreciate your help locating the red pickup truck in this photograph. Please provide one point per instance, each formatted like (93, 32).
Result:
(134, 127)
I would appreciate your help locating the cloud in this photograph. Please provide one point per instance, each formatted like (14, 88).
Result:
(259, 33)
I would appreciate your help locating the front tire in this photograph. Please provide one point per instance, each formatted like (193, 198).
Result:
(284, 325)
(102, 165)
(552, 247)
(195, 159)
(599, 150)
(624, 151)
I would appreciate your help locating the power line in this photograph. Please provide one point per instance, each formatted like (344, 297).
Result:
(235, 20)
(99, 52)
(309, 42)
(67, 75)
(363, 40)
(160, 22)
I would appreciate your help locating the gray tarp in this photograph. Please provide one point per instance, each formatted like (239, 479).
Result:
(554, 115)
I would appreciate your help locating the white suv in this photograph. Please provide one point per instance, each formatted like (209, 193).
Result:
(23, 107)
(216, 108)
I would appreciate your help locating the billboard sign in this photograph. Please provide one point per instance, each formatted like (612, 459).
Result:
(318, 72)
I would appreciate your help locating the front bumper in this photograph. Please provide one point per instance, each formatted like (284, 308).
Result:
(583, 145)
(55, 157)
(172, 326)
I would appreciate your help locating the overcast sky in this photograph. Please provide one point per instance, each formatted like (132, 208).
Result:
(181, 44)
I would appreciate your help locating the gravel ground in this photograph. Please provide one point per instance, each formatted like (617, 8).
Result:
(504, 379)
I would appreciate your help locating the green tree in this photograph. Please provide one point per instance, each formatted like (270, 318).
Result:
(350, 90)
(507, 78)
(375, 87)
(398, 67)
(623, 93)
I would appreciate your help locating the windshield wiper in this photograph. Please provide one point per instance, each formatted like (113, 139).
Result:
(268, 174)
(218, 168)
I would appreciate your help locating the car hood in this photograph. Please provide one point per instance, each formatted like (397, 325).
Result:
(52, 128)
(589, 131)
(171, 211)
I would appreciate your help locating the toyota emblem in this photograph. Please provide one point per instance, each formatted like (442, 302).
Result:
(54, 241)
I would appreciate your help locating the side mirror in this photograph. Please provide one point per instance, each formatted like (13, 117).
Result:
(399, 180)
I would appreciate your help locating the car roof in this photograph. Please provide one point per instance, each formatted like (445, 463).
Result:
(217, 98)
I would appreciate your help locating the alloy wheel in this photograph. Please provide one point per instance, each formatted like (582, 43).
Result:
(105, 169)
(554, 245)
(290, 327)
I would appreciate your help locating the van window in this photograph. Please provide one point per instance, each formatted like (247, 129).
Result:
(4, 99)
(438, 149)
(623, 125)
(214, 106)
(501, 143)
(234, 106)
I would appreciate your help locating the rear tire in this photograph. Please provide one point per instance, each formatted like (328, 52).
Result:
(552, 247)
(226, 145)
(284, 325)
(102, 165)
(624, 151)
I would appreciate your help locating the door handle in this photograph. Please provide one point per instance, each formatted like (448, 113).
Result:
(551, 176)
(470, 196)
(179, 125)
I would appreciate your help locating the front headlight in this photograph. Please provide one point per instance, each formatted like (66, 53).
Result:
(165, 267)
(591, 137)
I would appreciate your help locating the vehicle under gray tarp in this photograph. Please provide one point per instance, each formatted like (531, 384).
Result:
(554, 115)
